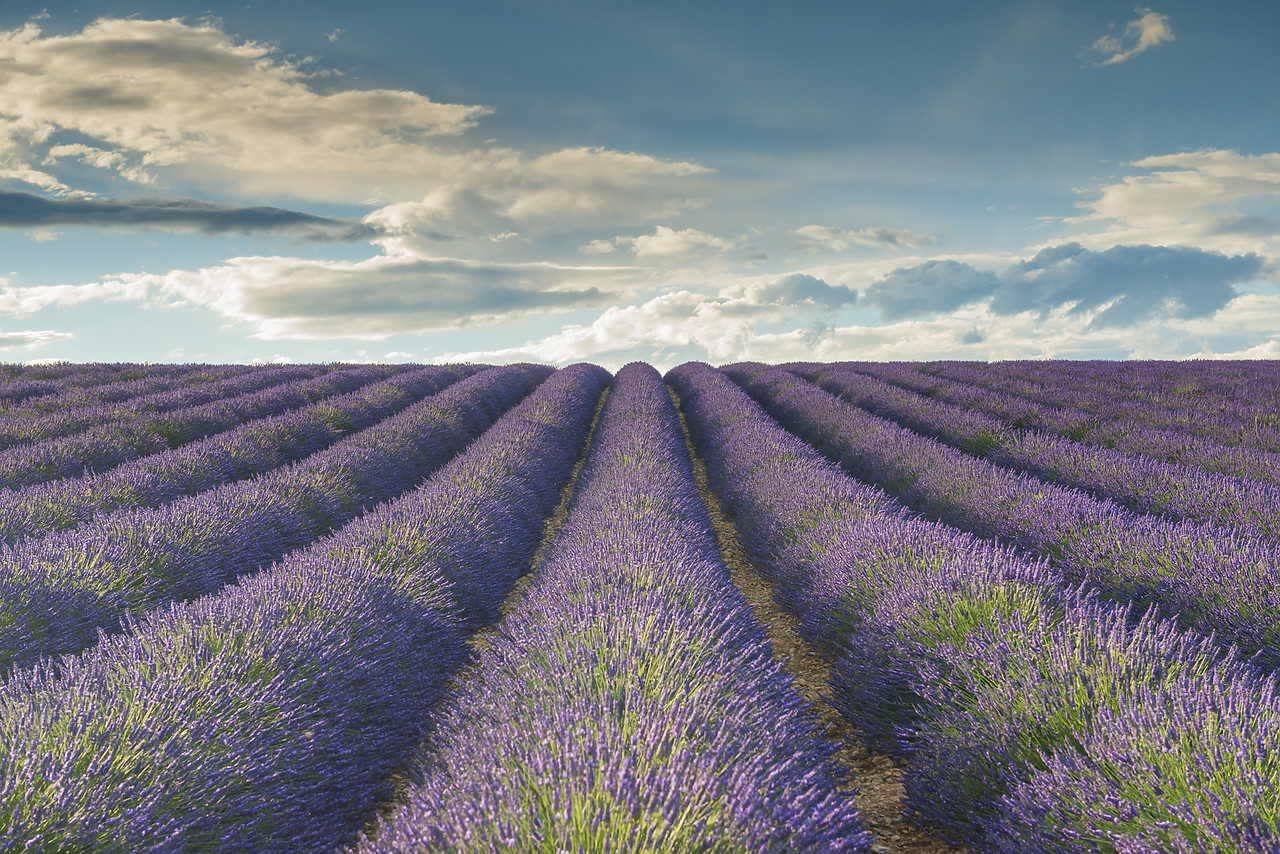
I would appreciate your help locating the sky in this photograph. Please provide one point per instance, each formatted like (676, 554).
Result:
(561, 181)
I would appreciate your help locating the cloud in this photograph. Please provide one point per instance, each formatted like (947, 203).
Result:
(1123, 284)
(827, 237)
(554, 193)
(27, 210)
(101, 159)
(680, 325)
(1149, 30)
(295, 298)
(154, 94)
(665, 243)
(1128, 283)
(797, 289)
(1187, 199)
(583, 185)
(30, 339)
(930, 288)
(165, 102)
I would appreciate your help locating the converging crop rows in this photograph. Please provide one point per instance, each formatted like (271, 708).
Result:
(466, 608)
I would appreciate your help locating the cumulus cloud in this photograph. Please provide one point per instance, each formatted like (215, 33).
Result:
(294, 298)
(1120, 285)
(30, 339)
(828, 237)
(680, 325)
(1125, 284)
(27, 210)
(797, 289)
(1189, 198)
(1149, 30)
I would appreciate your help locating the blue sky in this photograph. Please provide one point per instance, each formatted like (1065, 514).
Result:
(573, 181)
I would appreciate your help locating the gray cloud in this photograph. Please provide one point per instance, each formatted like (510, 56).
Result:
(799, 289)
(27, 210)
(930, 288)
(1138, 281)
(1127, 283)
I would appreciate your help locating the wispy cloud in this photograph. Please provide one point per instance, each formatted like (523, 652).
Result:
(665, 242)
(1149, 30)
(27, 210)
(31, 339)
(838, 239)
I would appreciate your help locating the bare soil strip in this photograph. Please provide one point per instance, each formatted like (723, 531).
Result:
(403, 779)
(875, 778)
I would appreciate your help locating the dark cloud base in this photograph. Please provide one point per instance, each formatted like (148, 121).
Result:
(28, 210)
(1128, 284)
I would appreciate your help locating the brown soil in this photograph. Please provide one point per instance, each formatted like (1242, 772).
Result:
(874, 778)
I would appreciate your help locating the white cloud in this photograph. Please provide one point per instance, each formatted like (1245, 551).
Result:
(1149, 30)
(678, 326)
(101, 159)
(828, 237)
(30, 339)
(1193, 199)
(24, 301)
(665, 243)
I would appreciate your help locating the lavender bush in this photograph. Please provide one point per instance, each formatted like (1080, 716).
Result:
(270, 716)
(1209, 576)
(133, 560)
(983, 669)
(629, 702)
(254, 448)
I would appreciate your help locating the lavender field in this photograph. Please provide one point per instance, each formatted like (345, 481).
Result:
(812, 607)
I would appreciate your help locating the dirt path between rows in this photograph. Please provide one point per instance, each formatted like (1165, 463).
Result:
(875, 778)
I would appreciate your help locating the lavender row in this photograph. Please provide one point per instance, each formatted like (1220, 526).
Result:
(1136, 481)
(270, 717)
(1122, 434)
(1169, 386)
(1180, 383)
(252, 449)
(629, 701)
(17, 430)
(58, 591)
(93, 385)
(27, 384)
(1247, 422)
(1032, 717)
(1211, 577)
(106, 446)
